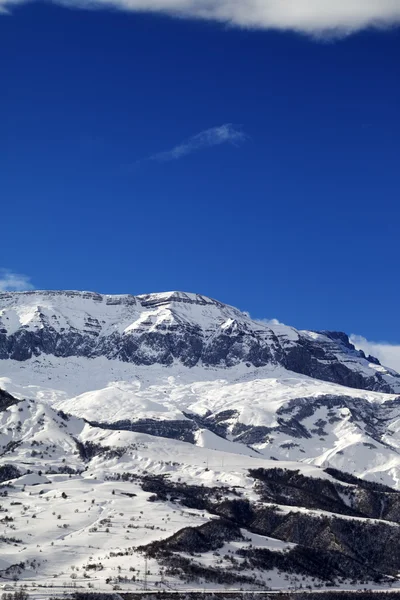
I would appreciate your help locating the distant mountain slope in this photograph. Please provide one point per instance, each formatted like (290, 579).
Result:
(161, 329)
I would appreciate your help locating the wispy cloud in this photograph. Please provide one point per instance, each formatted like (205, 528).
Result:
(313, 17)
(269, 322)
(225, 134)
(387, 354)
(16, 282)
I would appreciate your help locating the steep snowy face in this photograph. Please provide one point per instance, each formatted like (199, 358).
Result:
(175, 327)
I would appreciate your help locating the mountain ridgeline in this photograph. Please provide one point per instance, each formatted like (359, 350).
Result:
(177, 327)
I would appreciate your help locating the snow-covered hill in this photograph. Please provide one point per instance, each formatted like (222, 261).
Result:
(281, 415)
(181, 401)
(88, 506)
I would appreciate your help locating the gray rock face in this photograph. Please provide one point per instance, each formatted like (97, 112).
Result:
(6, 400)
(164, 328)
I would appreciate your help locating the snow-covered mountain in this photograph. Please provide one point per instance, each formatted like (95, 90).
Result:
(236, 431)
(176, 327)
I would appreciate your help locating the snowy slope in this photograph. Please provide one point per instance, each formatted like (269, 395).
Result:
(279, 414)
(44, 446)
(83, 502)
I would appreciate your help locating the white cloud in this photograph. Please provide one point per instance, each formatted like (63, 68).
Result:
(225, 134)
(270, 322)
(387, 354)
(313, 17)
(10, 281)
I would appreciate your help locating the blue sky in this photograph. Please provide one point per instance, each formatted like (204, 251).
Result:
(141, 152)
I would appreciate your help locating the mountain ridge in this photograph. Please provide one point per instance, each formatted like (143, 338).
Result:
(177, 326)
